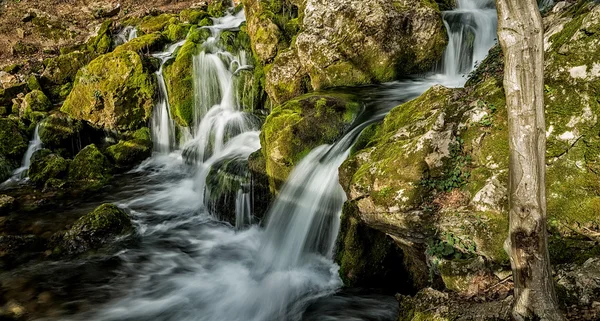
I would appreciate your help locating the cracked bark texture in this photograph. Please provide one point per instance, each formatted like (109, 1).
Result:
(520, 32)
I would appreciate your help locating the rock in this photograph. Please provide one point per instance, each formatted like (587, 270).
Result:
(224, 181)
(372, 45)
(45, 165)
(62, 134)
(33, 83)
(35, 104)
(21, 48)
(90, 167)
(286, 78)
(61, 71)
(192, 16)
(178, 75)
(144, 44)
(102, 42)
(6, 204)
(128, 153)
(261, 194)
(292, 130)
(28, 16)
(150, 24)
(121, 99)
(96, 229)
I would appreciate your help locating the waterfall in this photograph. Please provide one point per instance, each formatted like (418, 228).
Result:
(163, 126)
(35, 144)
(471, 31)
(126, 34)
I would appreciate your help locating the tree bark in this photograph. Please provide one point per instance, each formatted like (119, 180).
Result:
(520, 31)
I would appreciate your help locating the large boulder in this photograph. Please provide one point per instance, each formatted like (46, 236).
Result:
(65, 135)
(293, 129)
(115, 91)
(434, 175)
(96, 229)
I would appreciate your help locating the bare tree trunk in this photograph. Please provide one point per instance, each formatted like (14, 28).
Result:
(521, 32)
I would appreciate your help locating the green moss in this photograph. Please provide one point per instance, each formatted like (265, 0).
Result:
(128, 153)
(33, 83)
(297, 127)
(176, 31)
(63, 69)
(144, 44)
(114, 91)
(13, 139)
(90, 167)
(45, 165)
(102, 42)
(193, 16)
(37, 101)
(150, 24)
(217, 8)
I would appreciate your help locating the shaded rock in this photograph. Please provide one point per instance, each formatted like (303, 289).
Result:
(128, 153)
(293, 129)
(144, 44)
(90, 167)
(121, 99)
(6, 204)
(62, 134)
(261, 194)
(13, 145)
(96, 229)
(45, 165)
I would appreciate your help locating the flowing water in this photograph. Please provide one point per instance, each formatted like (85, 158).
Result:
(126, 34)
(20, 173)
(186, 265)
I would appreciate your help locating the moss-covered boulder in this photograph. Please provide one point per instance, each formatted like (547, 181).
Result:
(96, 229)
(293, 129)
(62, 70)
(144, 44)
(434, 174)
(46, 165)
(60, 133)
(36, 100)
(150, 24)
(90, 167)
(130, 152)
(115, 91)
(101, 43)
(225, 179)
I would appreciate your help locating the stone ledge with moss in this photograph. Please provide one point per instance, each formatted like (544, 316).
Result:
(434, 174)
(115, 91)
(132, 151)
(90, 168)
(293, 129)
(96, 229)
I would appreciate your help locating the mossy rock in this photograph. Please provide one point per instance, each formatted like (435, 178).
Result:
(115, 91)
(97, 228)
(128, 153)
(46, 165)
(150, 24)
(102, 42)
(224, 181)
(62, 134)
(36, 101)
(33, 83)
(192, 16)
(218, 8)
(62, 70)
(293, 129)
(13, 139)
(90, 167)
(144, 44)
(176, 31)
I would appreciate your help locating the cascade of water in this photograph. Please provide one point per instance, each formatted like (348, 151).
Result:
(471, 31)
(126, 34)
(35, 144)
(163, 126)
